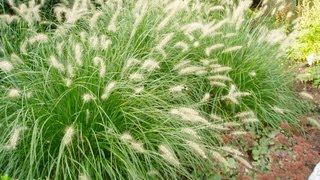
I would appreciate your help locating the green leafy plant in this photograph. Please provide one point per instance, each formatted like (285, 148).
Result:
(5, 177)
(309, 28)
(136, 89)
(308, 44)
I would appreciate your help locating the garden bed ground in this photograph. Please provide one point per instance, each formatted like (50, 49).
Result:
(296, 151)
(292, 152)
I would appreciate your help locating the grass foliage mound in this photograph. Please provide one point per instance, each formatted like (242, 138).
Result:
(136, 89)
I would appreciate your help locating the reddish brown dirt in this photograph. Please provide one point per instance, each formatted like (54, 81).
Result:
(300, 150)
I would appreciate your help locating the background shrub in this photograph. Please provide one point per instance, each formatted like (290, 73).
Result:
(309, 28)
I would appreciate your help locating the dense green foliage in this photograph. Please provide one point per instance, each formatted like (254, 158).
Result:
(140, 89)
(309, 27)
(307, 46)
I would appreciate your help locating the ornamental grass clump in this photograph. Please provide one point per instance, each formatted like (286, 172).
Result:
(135, 89)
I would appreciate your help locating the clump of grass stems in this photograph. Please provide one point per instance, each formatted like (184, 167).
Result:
(135, 89)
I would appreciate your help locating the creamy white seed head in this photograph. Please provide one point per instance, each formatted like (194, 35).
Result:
(68, 135)
(14, 93)
(14, 138)
(108, 90)
(87, 97)
(5, 66)
(197, 149)
(167, 154)
(150, 65)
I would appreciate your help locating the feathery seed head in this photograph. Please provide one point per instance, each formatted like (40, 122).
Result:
(178, 88)
(306, 95)
(171, 9)
(138, 90)
(23, 47)
(14, 138)
(131, 62)
(239, 133)
(205, 62)
(136, 76)
(6, 66)
(94, 19)
(56, 64)
(59, 48)
(153, 173)
(190, 132)
(192, 70)
(29, 94)
(231, 124)
(250, 120)
(252, 73)
(221, 69)
(205, 97)
(70, 70)
(182, 45)
(275, 36)
(168, 155)
(105, 42)
(238, 15)
(139, 12)
(14, 93)
(215, 117)
(243, 161)
(38, 38)
(234, 95)
(219, 78)
(231, 150)
(217, 83)
(219, 127)
(216, 8)
(87, 97)
(197, 149)
(188, 110)
(83, 177)
(15, 59)
(94, 42)
(245, 114)
(108, 90)
(209, 50)
(232, 49)
(212, 30)
(126, 137)
(138, 147)
(189, 115)
(8, 19)
(112, 24)
(83, 36)
(68, 135)
(229, 35)
(78, 54)
(279, 110)
(68, 82)
(181, 64)
(150, 65)
(99, 62)
(217, 156)
(189, 28)
(163, 43)
(196, 44)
